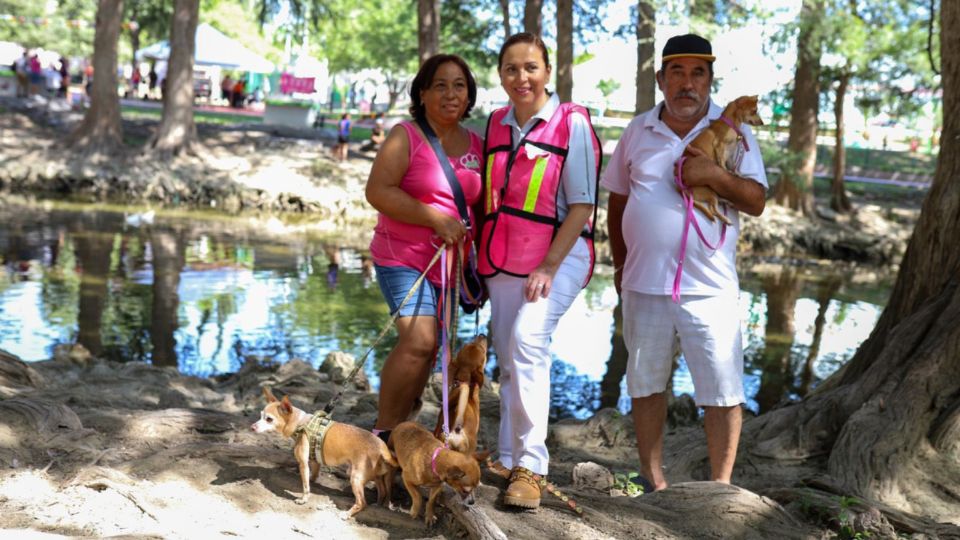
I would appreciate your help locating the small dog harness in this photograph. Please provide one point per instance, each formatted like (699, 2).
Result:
(316, 430)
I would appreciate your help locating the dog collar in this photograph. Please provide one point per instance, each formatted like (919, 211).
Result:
(433, 461)
(739, 133)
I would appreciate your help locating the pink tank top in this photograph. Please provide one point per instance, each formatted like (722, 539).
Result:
(396, 243)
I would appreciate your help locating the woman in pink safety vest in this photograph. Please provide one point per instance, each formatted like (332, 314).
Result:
(418, 213)
(542, 160)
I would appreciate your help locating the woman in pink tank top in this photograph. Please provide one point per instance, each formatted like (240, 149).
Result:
(418, 213)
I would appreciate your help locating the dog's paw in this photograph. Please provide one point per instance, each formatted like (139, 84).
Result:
(430, 520)
(302, 500)
(345, 515)
(392, 507)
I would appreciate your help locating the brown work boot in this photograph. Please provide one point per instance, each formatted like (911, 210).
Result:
(524, 489)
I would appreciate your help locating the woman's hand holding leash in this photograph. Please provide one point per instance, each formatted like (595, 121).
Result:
(448, 228)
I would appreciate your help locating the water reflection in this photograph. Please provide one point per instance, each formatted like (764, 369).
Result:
(204, 295)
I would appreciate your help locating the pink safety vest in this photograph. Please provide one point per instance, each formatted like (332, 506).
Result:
(520, 192)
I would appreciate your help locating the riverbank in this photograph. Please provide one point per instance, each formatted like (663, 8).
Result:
(256, 168)
(94, 449)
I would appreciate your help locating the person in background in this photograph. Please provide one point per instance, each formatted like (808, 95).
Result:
(377, 135)
(418, 214)
(21, 68)
(344, 127)
(226, 89)
(536, 247)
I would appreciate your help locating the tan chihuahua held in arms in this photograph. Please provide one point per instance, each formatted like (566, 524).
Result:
(367, 456)
(722, 143)
(426, 462)
(466, 371)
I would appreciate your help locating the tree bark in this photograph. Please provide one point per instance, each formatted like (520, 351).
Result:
(616, 364)
(177, 132)
(505, 12)
(565, 50)
(101, 132)
(881, 420)
(646, 71)
(839, 201)
(795, 188)
(428, 28)
(532, 20)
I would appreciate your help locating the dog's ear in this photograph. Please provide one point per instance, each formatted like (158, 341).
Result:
(286, 406)
(481, 456)
(269, 395)
(455, 473)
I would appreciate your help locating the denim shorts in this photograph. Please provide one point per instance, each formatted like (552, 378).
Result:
(396, 281)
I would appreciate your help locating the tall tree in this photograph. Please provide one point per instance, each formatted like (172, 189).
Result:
(505, 14)
(147, 18)
(101, 131)
(795, 187)
(889, 421)
(532, 18)
(565, 50)
(646, 70)
(428, 28)
(177, 132)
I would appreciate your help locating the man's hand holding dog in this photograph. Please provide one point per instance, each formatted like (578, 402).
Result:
(700, 170)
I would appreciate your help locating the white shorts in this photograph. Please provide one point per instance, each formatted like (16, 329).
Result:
(709, 332)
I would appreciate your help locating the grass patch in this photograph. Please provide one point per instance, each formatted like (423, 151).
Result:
(201, 117)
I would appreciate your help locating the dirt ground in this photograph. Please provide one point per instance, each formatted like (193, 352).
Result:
(96, 449)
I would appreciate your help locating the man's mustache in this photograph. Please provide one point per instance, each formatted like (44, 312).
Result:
(688, 94)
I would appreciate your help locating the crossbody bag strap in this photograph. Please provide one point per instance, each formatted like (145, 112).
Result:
(447, 169)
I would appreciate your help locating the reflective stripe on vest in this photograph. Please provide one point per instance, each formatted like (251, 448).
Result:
(521, 188)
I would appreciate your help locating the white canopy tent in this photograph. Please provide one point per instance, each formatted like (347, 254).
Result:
(213, 49)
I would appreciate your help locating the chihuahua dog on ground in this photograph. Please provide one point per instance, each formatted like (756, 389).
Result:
(426, 462)
(463, 405)
(720, 143)
(367, 456)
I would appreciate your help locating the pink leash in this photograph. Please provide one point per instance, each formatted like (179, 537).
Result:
(688, 218)
(444, 344)
(433, 460)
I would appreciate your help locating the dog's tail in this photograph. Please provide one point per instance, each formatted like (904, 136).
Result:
(388, 457)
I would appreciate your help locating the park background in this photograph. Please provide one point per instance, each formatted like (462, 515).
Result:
(186, 233)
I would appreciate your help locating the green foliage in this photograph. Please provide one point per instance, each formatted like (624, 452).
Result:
(234, 19)
(624, 482)
(50, 29)
(847, 531)
(607, 87)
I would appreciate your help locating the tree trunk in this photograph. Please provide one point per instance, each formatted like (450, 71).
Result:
(565, 50)
(101, 131)
(616, 364)
(428, 28)
(839, 201)
(889, 420)
(168, 259)
(795, 188)
(646, 71)
(177, 132)
(782, 291)
(532, 21)
(505, 11)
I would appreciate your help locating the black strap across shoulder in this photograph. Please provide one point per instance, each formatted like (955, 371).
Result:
(447, 169)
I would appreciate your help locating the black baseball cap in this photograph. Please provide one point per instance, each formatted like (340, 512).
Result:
(689, 45)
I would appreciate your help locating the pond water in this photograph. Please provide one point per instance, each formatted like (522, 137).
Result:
(206, 293)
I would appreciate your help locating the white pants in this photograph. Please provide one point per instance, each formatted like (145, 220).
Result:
(522, 332)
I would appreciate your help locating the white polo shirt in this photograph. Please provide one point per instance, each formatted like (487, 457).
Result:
(642, 168)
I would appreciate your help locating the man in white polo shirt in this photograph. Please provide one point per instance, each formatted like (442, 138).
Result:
(646, 222)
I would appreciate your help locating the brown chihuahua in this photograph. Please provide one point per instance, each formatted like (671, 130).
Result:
(720, 142)
(426, 462)
(466, 371)
(367, 456)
